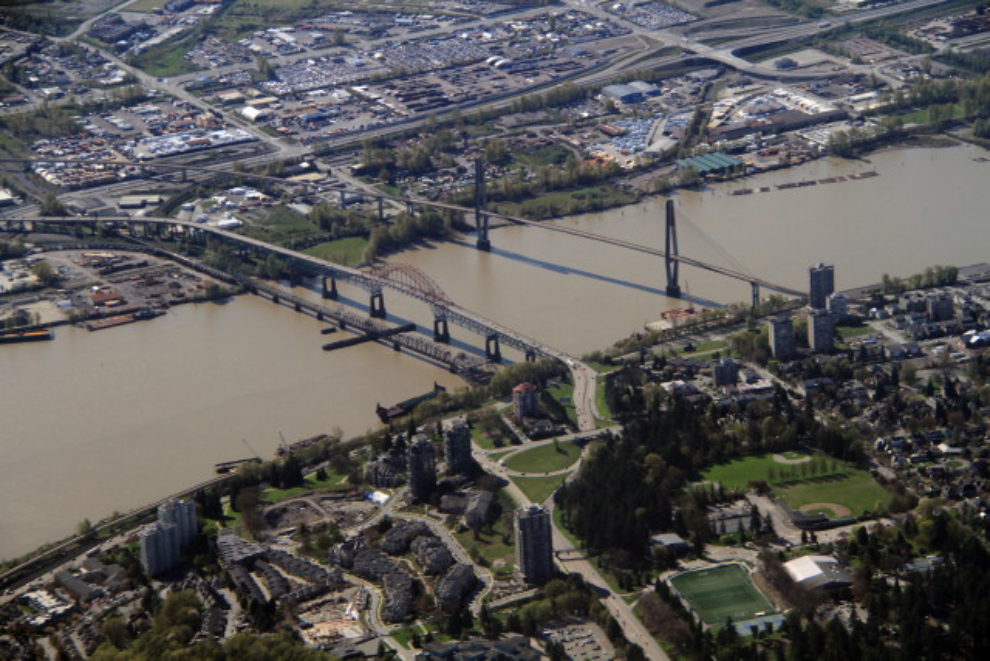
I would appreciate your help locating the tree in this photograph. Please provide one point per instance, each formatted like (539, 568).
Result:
(51, 206)
(45, 273)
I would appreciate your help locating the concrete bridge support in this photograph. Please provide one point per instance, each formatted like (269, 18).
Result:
(530, 356)
(330, 292)
(756, 293)
(441, 331)
(377, 306)
(381, 210)
(492, 350)
(671, 263)
(480, 204)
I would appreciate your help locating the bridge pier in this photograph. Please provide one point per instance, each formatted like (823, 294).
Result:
(298, 308)
(377, 307)
(330, 293)
(343, 200)
(480, 203)
(381, 210)
(672, 265)
(275, 298)
(184, 175)
(530, 356)
(319, 316)
(756, 293)
(492, 350)
(409, 208)
(441, 331)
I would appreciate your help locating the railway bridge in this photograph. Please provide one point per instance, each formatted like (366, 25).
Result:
(400, 278)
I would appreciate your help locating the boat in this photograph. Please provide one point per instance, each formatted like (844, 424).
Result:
(27, 336)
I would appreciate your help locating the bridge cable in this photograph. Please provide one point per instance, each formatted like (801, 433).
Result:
(715, 245)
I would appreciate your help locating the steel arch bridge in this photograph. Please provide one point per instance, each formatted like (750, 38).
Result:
(412, 281)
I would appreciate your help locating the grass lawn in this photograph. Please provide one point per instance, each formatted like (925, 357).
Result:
(538, 489)
(349, 251)
(604, 412)
(722, 592)
(558, 520)
(495, 456)
(853, 331)
(146, 5)
(835, 482)
(601, 368)
(483, 440)
(549, 205)
(272, 496)
(279, 224)
(923, 116)
(166, 59)
(737, 474)
(489, 545)
(856, 490)
(564, 393)
(404, 635)
(552, 155)
(544, 459)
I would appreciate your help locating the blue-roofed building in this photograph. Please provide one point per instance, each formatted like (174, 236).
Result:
(622, 93)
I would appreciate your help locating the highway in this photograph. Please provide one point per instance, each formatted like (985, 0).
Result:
(516, 220)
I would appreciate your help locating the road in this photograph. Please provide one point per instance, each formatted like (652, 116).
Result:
(484, 575)
(632, 628)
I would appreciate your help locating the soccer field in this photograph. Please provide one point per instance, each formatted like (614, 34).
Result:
(722, 592)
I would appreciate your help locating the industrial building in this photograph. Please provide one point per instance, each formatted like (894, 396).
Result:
(534, 545)
(622, 93)
(714, 163)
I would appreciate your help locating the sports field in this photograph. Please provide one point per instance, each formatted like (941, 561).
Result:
(722, 592)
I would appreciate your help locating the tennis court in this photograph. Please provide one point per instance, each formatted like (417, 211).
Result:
(722, 592)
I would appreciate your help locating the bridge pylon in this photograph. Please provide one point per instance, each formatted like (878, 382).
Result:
(756, 293)
(377, 307)
(331, 291)
(441, 330)
(671, 264)
(480, 204)
(492, 350)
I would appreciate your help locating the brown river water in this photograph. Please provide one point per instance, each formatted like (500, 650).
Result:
(97, 422)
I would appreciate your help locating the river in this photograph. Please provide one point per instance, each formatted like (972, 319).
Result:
(97, 422)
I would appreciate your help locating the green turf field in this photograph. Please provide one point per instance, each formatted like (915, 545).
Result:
(722, 592)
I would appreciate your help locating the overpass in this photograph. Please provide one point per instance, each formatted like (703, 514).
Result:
(670, 254)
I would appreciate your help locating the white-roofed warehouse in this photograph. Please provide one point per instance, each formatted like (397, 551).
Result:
(818, 571)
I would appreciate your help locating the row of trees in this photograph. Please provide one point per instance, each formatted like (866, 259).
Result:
(932, 276)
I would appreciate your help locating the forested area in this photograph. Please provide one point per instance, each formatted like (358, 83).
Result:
(635, 485)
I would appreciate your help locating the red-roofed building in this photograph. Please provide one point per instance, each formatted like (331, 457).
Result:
(525, 400)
